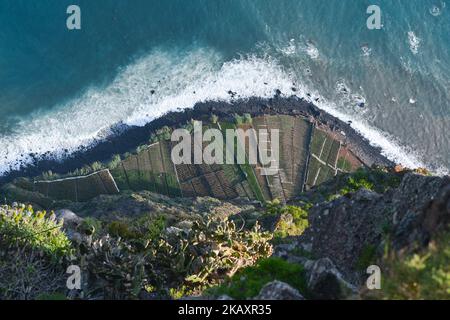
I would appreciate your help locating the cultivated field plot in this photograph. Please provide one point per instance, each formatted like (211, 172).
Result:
(347, 161)
(208, 180)
(250, 182)
(323, 158)
(151, 169)
(131, 167)
(294, 137)
(308, 157)
(120, 177)
(273, 181)
(78, 188)
(254, 171)
(146, 175)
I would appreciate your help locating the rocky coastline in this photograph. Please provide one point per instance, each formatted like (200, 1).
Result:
(124, 138)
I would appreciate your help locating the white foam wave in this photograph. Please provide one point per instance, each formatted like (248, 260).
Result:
(414, 42)
(158, 83)
(312, 51)
(366, 51)
(161, 82)
(389, 145)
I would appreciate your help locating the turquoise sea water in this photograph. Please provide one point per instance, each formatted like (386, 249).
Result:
(135, 60)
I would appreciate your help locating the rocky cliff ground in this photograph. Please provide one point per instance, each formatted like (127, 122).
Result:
(138, 226)
(140, 245)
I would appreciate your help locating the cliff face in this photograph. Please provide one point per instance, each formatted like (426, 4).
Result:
(354, 230)
(144, 245)
(144, 227)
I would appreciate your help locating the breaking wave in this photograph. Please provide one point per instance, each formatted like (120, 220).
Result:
(160, 82)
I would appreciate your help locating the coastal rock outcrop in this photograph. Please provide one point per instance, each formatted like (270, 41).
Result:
(352, 229)
(325, 282)
(277, 290)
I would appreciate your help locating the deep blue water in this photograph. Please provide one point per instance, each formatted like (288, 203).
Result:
(59, 89)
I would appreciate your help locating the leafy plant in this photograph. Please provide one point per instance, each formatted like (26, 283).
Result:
(122, 229)
(210, 251)
(376, 179)
(91, 226)
(214, 118)
(293, 220)
(23, 226)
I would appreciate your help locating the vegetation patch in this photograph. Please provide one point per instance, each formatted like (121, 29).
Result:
(423, 275)
(293, 220)
(377, 180)
(21, 225)
(248, 282)
(366, 258)
(33, 252)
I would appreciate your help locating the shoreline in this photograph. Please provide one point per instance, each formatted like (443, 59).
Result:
(125, 138)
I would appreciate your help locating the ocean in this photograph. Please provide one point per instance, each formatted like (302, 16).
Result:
(134, 60)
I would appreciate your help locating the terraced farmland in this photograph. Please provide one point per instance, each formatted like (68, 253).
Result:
(324, 153)
(81, 188)
(308, 157)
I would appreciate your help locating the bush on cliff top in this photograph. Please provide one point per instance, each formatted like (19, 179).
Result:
(38, 230)
(376, 179)
(423, 275)
(293, 220)
(33, 249)
(141, 255)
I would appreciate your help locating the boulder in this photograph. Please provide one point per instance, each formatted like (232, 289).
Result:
(325, 282)
(277, 290)
(69, 218)
(185, 225)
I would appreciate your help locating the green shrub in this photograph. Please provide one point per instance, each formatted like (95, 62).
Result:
(114, 163)
(21, 225)
(248, 282)
(214, 119)
(51, 296)
(293, 220)
(247, 118)
(165, 133)
(423, 275)
(376, 179)
(96, 166)
(210, 251)
(144, 228)
(141, 148)
(238, 119)
(155, 228)
(178, 293)
(91, 226)
(122, 229)
(189, 126)
(49, 175)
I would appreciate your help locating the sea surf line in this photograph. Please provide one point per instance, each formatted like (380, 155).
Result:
(160, 82)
